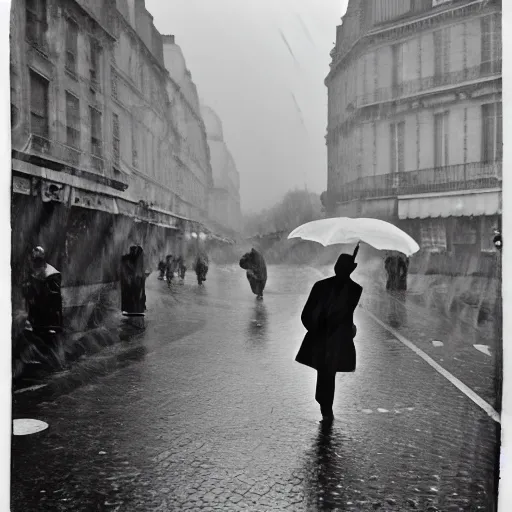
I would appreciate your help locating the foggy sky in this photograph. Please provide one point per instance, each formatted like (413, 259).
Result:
(261, 66)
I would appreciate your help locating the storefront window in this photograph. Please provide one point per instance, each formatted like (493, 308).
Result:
(433, 235)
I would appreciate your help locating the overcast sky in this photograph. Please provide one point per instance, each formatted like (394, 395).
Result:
(261, 66)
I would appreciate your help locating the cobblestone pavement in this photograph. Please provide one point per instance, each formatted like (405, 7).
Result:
(214, 414)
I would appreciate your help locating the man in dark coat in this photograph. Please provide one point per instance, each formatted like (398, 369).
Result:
(133, 282)
(328, 316)
(254, 263)
(201, 267)
(42, 293)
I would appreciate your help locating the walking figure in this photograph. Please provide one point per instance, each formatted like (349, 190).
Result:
(256, 268)
(42, 292)
(182, 267)
(161, 269)
(201, 267)
(397, 267)
(133, 282)
(328, 316)
(169, 268)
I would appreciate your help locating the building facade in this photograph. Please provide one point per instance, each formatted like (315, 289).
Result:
(415, 124)
(225, 197)
(109, 148)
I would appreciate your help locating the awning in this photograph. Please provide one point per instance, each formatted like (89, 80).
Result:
(474, 203)
(86, 199)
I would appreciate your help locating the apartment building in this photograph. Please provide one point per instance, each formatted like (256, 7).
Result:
(225, 196)
(415, 124)
(108, 148)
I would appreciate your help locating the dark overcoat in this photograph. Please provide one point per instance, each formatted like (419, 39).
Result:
(328, 317)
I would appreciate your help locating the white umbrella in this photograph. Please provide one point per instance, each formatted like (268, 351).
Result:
(344, 230)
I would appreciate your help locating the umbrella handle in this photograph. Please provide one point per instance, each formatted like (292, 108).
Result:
(356, 250)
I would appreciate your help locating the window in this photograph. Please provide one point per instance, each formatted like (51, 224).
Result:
(441, 55)
(113, 83)
(95, 61)
(135, 155)
(433, 235)
(398, 65)
(96, 138)
(465, 232)
(441, 138)
(491, 44)
(116, 140)
(71, 45)
(72, 120)
(14, 98)
(397, 141)
(492, 132)
(36, 26)
(39, 105)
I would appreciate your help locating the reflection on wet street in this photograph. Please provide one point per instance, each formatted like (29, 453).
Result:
(205, 409)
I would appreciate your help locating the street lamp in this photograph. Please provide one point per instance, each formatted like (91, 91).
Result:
(497, 240)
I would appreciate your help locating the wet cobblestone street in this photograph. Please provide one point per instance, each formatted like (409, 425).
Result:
(214, 414)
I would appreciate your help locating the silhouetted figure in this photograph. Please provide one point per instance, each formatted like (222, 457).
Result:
(182, 267)
(328, 316)
(133, 282)
(256, 268)
(161, 268)
(42, 292)
(397, 267)
(201, 267)
(170, 267)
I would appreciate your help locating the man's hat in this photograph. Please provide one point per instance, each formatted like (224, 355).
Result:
(345, 265)
(38, 253)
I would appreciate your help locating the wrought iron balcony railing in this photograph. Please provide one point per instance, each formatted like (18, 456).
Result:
(63, 154)
(412, 87)
(471, 176)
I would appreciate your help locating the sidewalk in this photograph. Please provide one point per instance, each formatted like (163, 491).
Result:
(471, 300)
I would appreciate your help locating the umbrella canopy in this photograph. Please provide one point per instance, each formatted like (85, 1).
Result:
(344, 230)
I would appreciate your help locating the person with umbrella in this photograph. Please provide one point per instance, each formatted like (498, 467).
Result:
(328, 316)
(328, 346)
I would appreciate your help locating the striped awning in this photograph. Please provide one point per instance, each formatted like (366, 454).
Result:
(474, 203)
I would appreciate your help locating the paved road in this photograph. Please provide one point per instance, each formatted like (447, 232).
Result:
(212, 413)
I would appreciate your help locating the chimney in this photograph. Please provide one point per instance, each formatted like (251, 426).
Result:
(168, 39)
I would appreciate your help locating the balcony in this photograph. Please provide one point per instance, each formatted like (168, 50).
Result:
(430, 83)
(58, 156)
(476, 175)
(452, 178)
(55, 150)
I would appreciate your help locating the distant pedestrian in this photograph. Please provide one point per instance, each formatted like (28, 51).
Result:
(161, 269)
(397, 266)
(201, 267)
(42, 292)
(328, 316)
(133, 282)
(169, 268)
(182, 267)
(254, 263)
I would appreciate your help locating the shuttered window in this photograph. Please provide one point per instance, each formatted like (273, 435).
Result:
(96, 137)
(72, 120)
(397, 148)
(39, 105)
(492, 132)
